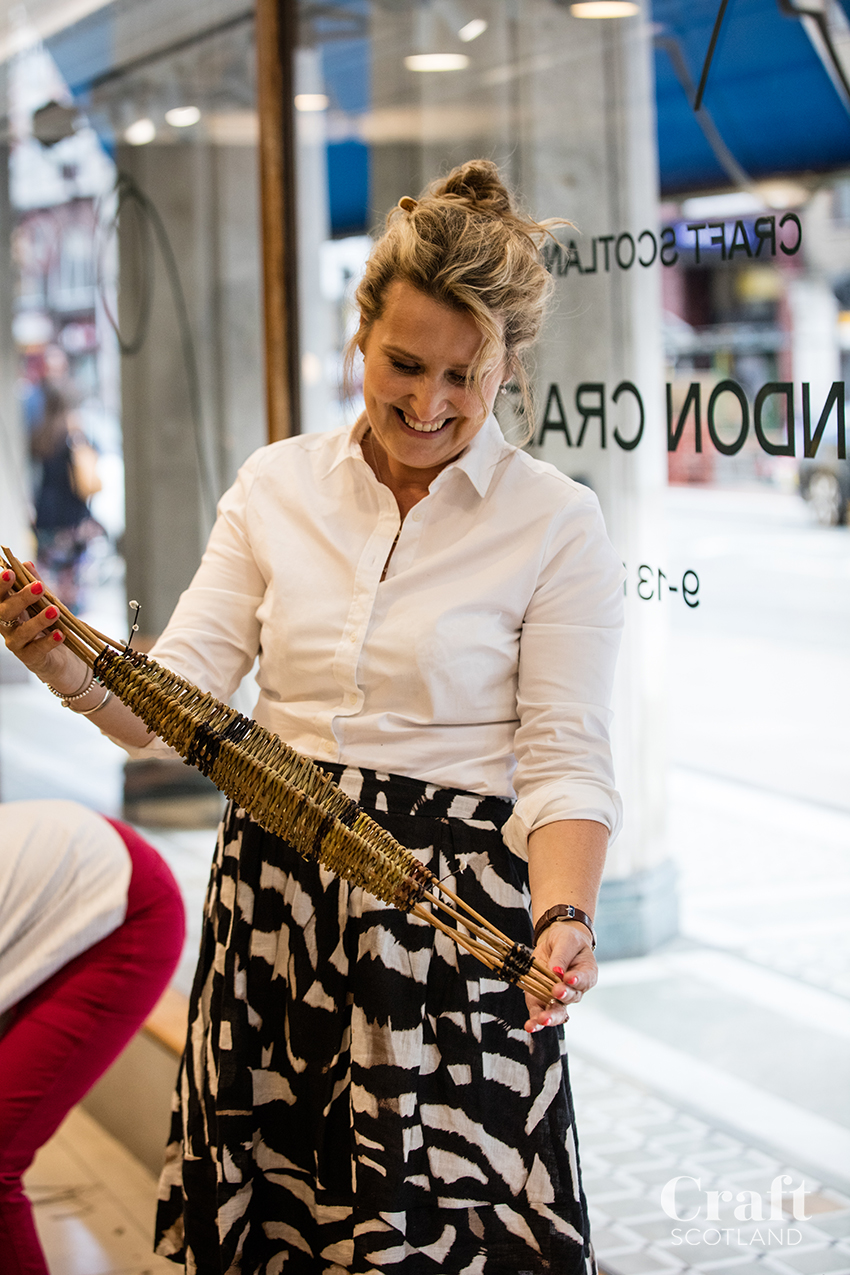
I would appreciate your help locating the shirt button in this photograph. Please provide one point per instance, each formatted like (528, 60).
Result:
(417, 515)
(350, 700)
(352, 637)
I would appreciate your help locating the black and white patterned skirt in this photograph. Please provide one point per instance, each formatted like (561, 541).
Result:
(358, 1094)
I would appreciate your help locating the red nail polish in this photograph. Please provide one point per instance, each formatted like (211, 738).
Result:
(37, 589)
(51, 613)
(7, 576)
(572, 981)
(556, 969)
(57, 636)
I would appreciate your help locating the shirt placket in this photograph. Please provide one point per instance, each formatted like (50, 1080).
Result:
(367, 578)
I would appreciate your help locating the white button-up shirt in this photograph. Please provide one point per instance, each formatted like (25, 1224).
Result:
(483, 661)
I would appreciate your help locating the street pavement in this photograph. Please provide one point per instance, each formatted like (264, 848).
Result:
(724, 1058)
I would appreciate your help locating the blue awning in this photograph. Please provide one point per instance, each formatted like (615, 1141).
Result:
(768, 94)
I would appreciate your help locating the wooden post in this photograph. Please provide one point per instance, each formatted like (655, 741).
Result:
(276, 27)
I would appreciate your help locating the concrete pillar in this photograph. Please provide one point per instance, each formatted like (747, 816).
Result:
(566, 106)
(588, 152)
(177, 466)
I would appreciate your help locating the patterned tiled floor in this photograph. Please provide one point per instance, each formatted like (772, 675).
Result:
(633, 1144)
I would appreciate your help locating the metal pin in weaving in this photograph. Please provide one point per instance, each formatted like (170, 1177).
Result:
(134, 627)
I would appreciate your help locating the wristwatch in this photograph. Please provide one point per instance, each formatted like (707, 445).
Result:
(564, 912)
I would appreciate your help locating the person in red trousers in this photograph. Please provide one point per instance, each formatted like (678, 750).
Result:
(91, 930)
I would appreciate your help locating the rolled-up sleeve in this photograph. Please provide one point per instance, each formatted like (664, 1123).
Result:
(568, 651)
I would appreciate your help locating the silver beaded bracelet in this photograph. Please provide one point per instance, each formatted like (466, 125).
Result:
(67, 700)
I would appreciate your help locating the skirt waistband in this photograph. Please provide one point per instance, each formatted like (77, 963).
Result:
(400, 795)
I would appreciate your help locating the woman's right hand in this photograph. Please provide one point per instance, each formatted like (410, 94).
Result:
(44, 652)
(30, 638)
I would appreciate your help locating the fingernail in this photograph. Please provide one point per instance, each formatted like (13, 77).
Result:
(556, 969)
(51, 613)
(37, 588)
(7, 576)
(572, 981)
(562, 997)
(546, 1022)
(57, 636)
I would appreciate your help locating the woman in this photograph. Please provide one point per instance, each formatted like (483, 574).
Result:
(437, 617)
(91, 930)
(67, 467)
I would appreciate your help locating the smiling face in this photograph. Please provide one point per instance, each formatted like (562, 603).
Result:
(421, 411)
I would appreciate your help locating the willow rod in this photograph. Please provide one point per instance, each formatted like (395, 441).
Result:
(285, 793)
(536, 986)
(76, 633)
(464, 906)
(41, 604)
(483, 933)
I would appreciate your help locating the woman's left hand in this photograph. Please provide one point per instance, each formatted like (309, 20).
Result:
(565, 949)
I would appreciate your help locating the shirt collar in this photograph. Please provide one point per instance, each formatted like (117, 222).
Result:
(347, 445)
(481, 457)
(478, 461)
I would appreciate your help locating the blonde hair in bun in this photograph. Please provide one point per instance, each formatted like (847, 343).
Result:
(465, 243)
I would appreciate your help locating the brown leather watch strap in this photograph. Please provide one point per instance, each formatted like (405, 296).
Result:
(564, 912)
